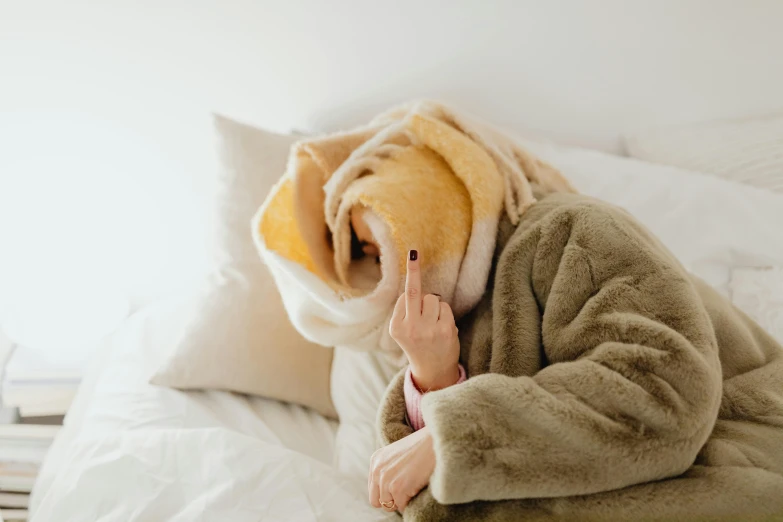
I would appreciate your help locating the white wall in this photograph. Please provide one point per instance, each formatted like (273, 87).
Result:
(104, 135)
(574, 69)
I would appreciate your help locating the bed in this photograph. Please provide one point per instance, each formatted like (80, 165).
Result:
(131, 451)
(565, 72)
(171, 455)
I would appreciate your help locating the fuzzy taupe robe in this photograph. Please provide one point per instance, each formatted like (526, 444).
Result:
(606, 383)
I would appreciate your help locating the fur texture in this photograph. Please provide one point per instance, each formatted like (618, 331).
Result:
(606, 383)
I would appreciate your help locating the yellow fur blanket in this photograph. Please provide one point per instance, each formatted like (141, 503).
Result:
(419, 176)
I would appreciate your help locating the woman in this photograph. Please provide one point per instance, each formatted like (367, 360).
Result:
(598, 366)
(601, 380)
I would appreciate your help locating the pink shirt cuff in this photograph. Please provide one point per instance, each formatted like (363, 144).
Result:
(413, 398)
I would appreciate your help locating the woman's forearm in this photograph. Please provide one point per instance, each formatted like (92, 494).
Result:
(575, 428)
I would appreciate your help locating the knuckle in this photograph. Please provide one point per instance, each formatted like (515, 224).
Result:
(394, 488)
(395, 330)
(412, 292)
(403, 331)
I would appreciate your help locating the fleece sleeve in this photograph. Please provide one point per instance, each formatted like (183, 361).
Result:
(632, 386)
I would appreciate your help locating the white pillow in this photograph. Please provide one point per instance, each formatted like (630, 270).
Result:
(359, 380)
(704, 220)
(238, 336)
(747, 151)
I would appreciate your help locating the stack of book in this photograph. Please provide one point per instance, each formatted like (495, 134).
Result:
(22, 451)
(7, 415)
(35, 387)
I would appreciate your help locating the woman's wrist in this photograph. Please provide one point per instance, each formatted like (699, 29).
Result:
(433, 381)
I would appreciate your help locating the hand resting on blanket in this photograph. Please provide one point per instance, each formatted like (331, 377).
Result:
(425, 329)
(400, 470)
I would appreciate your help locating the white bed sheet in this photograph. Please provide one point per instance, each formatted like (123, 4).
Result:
(131, 451)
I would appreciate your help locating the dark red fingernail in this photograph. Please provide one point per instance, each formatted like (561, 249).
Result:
(414, 255)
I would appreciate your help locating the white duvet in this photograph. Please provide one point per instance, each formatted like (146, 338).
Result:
(134, 452)
(131, 451)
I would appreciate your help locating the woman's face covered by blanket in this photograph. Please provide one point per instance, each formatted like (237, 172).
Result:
(412, 201)
(419, 177)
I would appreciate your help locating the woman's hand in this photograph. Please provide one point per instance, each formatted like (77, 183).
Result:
(424, 328)
(400, 470)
